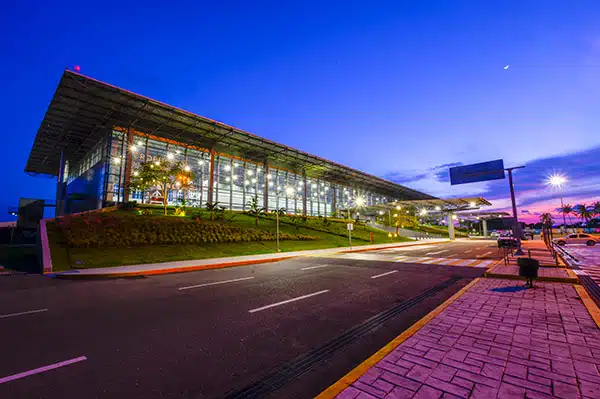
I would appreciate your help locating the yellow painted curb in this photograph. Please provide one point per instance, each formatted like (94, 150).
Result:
(589, 303)
(362, 368)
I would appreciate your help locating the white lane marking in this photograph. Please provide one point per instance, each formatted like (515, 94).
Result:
(470, 250)
(437, 252)
(22, 313)
(434, 260)
(484, 255)
(485, 263)
(466, 262)
(384, 274)
(42, 369)
(214, 283)
(478, 248)
(314, 267)
(288, 301)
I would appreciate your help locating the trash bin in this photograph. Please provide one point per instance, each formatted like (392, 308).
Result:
(528, 268)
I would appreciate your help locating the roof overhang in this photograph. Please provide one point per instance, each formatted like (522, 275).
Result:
(83, 110)
(439, 205)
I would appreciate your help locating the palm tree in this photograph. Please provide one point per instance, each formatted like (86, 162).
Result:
(255, 209)
(546, 220)
(596, 208)
(566, 210)
(583, 211)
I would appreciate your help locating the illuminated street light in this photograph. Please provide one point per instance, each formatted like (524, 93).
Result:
(381, 212)
(170, 156)
(472, 204)
(557, 181)
(290, 190)
(438, 208)
(395, 215)
(134, 148)
(227, 168)
(186, 168)
(423, 212)
(360, 201)
(454, 217)
(398, 207)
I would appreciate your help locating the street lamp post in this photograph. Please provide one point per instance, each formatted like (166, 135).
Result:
(516, 226)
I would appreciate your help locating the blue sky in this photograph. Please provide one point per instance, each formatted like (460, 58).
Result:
(397, 88)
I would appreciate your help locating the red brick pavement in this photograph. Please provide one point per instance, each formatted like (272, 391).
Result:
(496, 340)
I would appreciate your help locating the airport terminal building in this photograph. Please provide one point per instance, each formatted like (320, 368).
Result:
(94, 135)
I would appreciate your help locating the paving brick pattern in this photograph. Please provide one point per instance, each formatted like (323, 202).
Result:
(495, 341)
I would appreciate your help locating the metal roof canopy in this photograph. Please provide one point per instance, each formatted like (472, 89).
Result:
(445, 205)
(83, 108)
(484, 215)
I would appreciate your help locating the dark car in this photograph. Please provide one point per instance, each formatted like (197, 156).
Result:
(507, 240)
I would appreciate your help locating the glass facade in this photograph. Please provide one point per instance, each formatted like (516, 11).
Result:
(236, 181)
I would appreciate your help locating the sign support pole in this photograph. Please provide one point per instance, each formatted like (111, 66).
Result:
(516, 226)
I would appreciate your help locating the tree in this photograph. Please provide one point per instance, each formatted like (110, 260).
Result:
(583, 212)
(255, 210)
(546, 220)
(212, 207)
(566, 210)
(596, 208)
(163, 174)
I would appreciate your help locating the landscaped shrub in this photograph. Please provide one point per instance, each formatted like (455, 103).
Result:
(110, 230)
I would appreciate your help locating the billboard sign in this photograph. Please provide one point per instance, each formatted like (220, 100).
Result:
(492, 170)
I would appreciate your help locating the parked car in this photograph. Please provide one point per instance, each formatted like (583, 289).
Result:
(507, 240)
(528, 234)
(577, 239)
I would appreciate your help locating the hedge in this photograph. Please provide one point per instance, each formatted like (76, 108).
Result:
(111, 230)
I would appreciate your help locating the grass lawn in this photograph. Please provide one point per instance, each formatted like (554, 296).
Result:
(66, 258)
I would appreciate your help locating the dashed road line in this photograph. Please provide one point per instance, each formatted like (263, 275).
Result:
(214, 283)
(42, 369)
(314, 267)
(437, 252)
(287, 301)
(466, 252)
(22, 313)
(384, 274)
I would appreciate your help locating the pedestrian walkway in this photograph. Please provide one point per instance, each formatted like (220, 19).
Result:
(385, 257)
(494, 339)
(588, 260)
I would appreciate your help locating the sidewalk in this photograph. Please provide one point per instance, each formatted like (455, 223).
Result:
(216, 263)
(549, 269)
(492, 339)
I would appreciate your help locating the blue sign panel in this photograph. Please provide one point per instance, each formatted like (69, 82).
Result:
(492, 170)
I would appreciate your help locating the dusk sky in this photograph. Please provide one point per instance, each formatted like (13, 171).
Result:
(399, 89)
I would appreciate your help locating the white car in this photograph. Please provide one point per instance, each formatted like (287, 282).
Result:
(577, 239)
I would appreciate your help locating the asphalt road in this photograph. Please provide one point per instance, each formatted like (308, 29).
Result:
(462, 249)
(183, 336)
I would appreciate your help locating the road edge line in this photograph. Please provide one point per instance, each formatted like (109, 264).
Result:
(589, 303)
(336, 388)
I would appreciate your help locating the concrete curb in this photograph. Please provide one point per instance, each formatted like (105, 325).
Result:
(362, 368)
(568, 280)
(589, 303)
(171, 270)
(73, 275)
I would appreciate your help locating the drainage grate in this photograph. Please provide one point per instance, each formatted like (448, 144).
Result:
(286, 372)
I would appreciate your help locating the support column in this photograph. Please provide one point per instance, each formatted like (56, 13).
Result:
(266, 190)
(304, 192)
(211, 176)
(60, 186)
(451, 226)
(485, 230)
(128, 165)
(334, 201)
